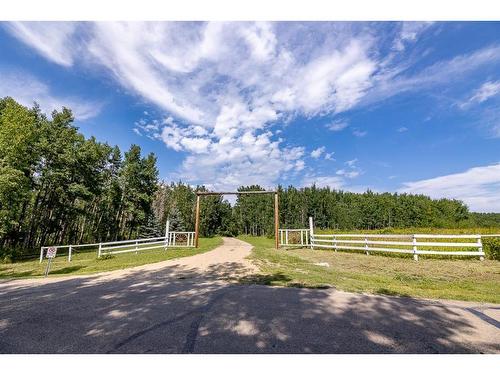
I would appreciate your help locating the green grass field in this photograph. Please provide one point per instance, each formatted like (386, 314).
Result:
(87, 262)
(459, 279)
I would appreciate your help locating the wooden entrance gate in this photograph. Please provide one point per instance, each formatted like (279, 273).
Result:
(199, 194)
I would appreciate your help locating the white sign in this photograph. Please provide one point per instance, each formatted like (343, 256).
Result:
(51, 252)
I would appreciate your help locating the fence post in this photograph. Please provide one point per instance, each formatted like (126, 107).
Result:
(167, 229)
(69, 254)
(99, 251)
(366, 246)
(335, 243)
(41, 254)
(311, 232)
(481, 257)
(286, 237)
(415, 254)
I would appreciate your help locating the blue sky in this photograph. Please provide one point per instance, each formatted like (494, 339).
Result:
(407, 107)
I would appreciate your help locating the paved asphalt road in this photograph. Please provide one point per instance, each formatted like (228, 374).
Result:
(188, 306)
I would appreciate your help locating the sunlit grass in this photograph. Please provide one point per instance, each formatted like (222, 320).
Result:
(460, 279)
(87, 262)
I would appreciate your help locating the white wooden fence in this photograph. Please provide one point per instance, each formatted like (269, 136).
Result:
(171, 239)
(294, 237)
(415, 244)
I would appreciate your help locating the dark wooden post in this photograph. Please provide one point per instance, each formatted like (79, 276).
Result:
(197, 221)
(276, 221)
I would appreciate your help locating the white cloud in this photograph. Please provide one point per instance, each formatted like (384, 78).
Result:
(351, 163)
(337, 126)
(409, 32)
(27, 89)
(51, 39)
(196, 145)
(316, 154)
(226, 83)
(229, 160)
(347, 173)
(478, 187)
(402, 129)
(351, 171)
(359, 133)
(230, 79)
(335, 81)
(329, 156)
(334, 182)
(496, 130)
(391, 81)
(486, 91)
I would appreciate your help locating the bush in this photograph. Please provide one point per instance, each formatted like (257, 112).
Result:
(12, 254)
(491, 247)
(106, 256)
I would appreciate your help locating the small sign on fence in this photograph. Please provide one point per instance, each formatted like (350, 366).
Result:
(51, 254)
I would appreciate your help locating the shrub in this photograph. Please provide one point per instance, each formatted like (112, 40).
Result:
(12, 254)
(106, 256)
(491, 247)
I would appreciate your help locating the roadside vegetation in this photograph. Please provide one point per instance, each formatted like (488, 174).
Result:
(87, 262)
(457, 279)
(58, 187)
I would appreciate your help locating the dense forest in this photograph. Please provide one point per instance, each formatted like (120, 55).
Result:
(57, 187)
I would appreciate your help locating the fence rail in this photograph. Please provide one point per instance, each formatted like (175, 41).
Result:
(415, 244)
(171, 239)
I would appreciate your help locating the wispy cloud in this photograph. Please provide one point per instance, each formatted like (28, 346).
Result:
(389, 82)
(27, 89)
(224, 84)
(51, 39)
(329, 156)
(479, 187)
(486, 91)
(359, 133)
(352, 170)
(333, 182)
(402, 129)
(337, 125)
(232, 79)
(409, 32)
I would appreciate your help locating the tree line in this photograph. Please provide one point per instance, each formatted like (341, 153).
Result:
(58, 187)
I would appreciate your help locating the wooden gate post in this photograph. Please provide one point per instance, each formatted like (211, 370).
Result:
(276, 221)
(197, 221)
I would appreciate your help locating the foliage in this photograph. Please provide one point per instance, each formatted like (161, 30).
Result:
(483, 219)
(58, 187)
(491, 247)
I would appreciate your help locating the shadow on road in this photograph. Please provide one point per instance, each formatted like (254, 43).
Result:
(222, 310)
